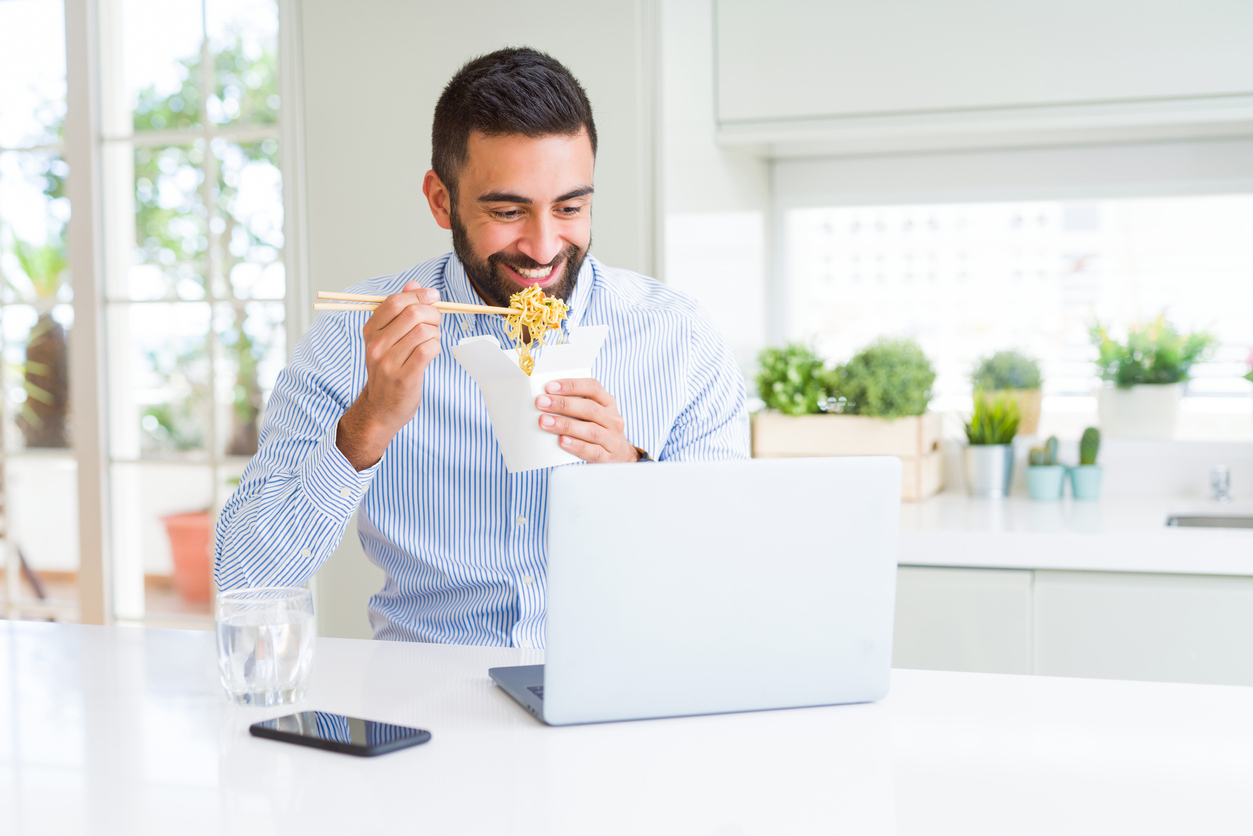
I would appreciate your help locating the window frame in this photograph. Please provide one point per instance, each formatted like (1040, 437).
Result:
(91, 91)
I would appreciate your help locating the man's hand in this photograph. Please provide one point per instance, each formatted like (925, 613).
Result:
(586, 417)
(401, 340)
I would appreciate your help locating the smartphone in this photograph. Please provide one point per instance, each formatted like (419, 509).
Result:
(350, 735)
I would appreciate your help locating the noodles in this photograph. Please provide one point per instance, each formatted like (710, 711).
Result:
(534, 315)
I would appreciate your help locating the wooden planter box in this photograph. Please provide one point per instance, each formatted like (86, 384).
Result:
(914, 440)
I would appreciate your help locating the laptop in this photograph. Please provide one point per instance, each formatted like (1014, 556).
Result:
(677, 589)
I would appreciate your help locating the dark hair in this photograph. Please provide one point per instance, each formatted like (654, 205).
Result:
(509, 91)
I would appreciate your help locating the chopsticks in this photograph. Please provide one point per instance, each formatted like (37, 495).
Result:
(365, 302)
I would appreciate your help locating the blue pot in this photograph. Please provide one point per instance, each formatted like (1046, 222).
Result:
(1085, 481)
(1045, 482)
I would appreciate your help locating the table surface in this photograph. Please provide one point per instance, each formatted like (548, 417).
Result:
(125, 730)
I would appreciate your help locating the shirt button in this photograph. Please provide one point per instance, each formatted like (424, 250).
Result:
(521, 520)
(346, 493)
(305, 553)
(528, 579)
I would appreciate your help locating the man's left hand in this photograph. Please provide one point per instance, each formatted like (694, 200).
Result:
(586, 418)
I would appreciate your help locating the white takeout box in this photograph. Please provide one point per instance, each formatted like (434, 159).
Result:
(510, 395)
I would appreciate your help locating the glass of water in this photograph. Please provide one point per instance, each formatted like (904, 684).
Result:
(265, 643)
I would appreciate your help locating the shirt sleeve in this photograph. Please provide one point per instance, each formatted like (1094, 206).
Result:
(297, 494)
(714, 424)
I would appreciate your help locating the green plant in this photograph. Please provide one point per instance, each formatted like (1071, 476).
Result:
(1089, 445)
(1045, 455)
(1154, 353)
(888, 379)
(1007, 370)
(995, 420)
(793, 380)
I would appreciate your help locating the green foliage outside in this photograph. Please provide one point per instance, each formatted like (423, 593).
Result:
(793, 380)
(888, 379)
(995, 420)
(1007, 370)
(1156, 353)
(175, 234)
(43, 417)
(1089, 446)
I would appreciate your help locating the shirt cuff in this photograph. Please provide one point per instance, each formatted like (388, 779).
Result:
(330, 481)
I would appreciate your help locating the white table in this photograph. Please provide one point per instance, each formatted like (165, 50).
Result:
(124, 730)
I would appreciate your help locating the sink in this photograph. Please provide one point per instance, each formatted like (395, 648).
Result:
(1210, 521)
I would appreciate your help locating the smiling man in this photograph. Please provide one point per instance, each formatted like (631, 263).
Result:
(373, 416)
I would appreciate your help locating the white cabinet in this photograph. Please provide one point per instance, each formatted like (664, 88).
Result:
(1102, 625)
(1173, 628)
(963, 619)
(795, 74)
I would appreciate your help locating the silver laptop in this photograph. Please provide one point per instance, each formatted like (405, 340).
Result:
(678, 589)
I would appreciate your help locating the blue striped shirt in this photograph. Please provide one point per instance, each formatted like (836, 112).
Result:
(462, 539)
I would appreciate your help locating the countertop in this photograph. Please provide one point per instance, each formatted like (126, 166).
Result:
(125, 730)
(1113, 534)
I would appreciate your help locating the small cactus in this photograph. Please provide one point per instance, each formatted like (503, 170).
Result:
(1045, 455)
(1089, 445)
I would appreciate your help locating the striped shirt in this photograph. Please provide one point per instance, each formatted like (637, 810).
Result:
(461, 539)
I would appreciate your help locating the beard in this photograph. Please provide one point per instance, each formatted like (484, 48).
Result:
(488, 278)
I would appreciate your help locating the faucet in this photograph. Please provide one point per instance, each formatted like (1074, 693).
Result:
(1220, 483)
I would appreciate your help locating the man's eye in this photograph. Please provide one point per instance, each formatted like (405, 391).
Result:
(508, 214)
(570, 210)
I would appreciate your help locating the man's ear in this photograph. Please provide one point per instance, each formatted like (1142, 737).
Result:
(438, 198)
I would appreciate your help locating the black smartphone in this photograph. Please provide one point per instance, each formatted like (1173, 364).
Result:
(350, 735)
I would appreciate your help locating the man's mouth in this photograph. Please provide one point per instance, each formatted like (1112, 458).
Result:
(541, 276)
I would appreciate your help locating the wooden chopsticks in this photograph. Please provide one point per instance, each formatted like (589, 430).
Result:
(365, 302)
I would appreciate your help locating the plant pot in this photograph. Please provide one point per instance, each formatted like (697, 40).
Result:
(914, 439)
(989, 469)
(1028, 401)
(191, 536)
(1045, 482)
(1146, 411)
(1085, 481)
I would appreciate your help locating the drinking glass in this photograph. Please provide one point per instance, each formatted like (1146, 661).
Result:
(265, 643)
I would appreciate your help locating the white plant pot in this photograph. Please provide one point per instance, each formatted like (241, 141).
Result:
(989, 469)
(1147, 411)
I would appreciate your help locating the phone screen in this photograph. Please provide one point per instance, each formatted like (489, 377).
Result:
(339, 733)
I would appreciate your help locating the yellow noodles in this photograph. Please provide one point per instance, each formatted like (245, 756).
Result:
(534, 315)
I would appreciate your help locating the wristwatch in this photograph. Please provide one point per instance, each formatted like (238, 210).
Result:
(644, 457)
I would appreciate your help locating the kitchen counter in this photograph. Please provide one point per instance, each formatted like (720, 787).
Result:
(1113, 534)
(125, 730)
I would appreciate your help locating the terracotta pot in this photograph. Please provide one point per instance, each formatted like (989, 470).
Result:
(191, 538)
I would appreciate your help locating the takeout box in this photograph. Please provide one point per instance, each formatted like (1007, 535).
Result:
(510, 394)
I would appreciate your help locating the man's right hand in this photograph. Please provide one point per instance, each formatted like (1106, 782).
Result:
(401, 340)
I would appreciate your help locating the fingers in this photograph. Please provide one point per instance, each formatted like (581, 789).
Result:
(590, 442)
(401, 311)
(592, 453)
(583, 387)
(584, 409)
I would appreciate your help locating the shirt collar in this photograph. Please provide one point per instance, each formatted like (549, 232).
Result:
(459, 289)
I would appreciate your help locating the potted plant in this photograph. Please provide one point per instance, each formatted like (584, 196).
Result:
(1016, 375)
(1085, 479)
(1045, 477)
(875, 404)
(191, 546)
(43, 417)
(1145, 373)
(989, 459)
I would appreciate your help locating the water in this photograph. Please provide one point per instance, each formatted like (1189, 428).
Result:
(264, 656)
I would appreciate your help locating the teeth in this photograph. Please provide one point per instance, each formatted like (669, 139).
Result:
(535, 274)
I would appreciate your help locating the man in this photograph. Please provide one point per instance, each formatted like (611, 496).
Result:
(374, 412)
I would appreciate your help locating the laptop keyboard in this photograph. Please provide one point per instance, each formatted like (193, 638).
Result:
(537, 690)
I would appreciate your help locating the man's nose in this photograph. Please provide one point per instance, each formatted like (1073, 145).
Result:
(540, 240)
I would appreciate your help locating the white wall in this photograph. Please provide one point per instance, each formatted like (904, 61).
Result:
(715, 201)
(372, 72)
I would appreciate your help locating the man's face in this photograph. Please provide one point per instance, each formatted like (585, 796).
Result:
(524, 213)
